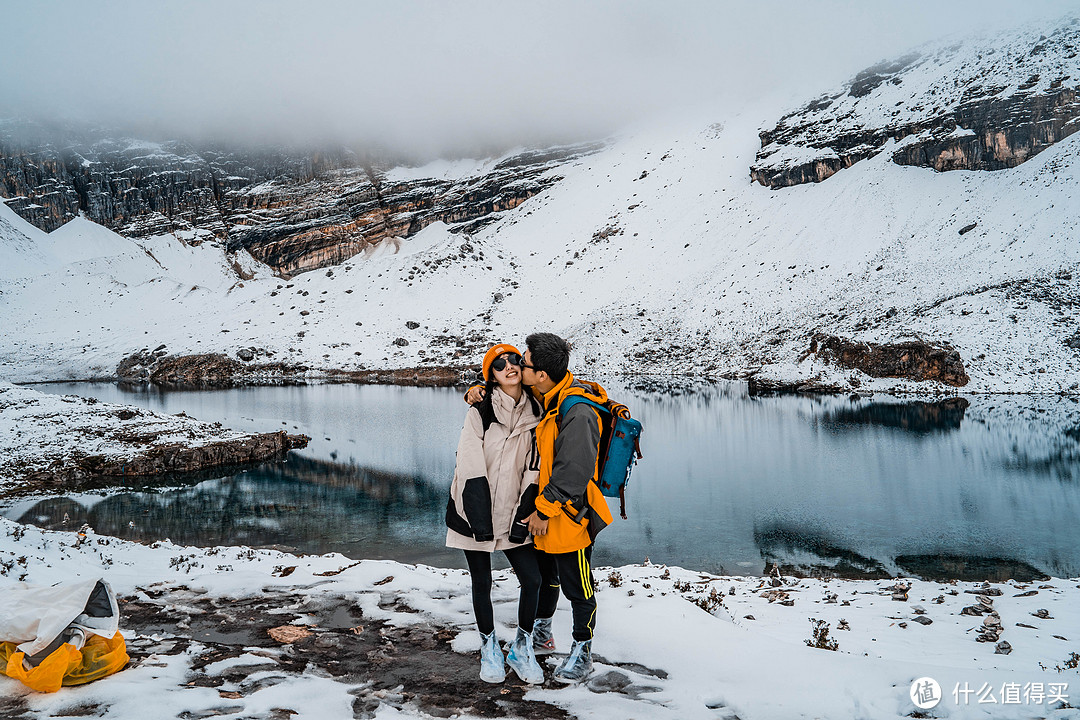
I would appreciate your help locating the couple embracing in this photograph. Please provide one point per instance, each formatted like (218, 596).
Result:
(524, 485)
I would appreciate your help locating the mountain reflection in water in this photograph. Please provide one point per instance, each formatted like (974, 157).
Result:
(915, 417)
(302, 505)
(981, 487)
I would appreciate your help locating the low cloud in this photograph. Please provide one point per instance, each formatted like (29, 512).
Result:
(444, 77)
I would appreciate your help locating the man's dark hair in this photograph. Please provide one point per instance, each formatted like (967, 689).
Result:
(550, 353)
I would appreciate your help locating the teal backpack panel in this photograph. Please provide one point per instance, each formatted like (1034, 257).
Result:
(619, 449)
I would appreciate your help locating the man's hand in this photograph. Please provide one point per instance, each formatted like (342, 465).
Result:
(475, 394)
(536, 525)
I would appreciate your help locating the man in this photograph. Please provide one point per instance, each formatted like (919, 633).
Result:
(570, 510)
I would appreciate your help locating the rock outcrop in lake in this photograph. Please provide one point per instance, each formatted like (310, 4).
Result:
(984, 105)
(55, 442)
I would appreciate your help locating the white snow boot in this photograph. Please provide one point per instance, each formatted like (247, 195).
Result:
(543, 640)
(492, 666)
(522, 660)
(577, 665)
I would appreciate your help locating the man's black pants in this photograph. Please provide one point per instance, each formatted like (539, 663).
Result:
(573, 571)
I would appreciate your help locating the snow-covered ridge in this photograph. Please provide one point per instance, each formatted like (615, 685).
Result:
(670, 644)
(1018, 89)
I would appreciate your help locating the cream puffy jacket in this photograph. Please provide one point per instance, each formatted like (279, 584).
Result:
(494, 486)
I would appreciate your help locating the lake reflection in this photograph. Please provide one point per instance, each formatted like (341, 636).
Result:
(984, 486)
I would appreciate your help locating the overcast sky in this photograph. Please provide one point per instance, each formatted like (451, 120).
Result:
(445, 74)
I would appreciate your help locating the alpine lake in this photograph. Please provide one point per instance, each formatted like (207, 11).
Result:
(976, 487)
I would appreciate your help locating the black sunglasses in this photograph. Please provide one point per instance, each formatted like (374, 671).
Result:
(500, 362)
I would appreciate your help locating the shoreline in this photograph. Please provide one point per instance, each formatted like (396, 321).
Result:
(450, 376)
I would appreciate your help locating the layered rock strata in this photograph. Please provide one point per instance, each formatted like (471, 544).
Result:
(980, 105)
(294, 210)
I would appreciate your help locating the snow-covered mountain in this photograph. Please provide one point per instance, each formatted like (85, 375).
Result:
(653, 254)
(984, 104)
(293, 209)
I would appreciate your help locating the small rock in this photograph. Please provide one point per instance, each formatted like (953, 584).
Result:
(288, 633)
(245, 354)
(918, 609)
(973, 610)
(412, 324)
(922, 620)
(611, 681)
(749, 617)
(1003, 648)
(401, 342)
(1029, 593)
(1043, 614)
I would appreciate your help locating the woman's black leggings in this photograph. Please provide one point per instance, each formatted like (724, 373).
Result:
(524, 560)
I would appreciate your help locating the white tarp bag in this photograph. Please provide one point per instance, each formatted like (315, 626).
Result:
(41, 618)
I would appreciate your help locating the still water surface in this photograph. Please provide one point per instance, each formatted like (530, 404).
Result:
(987, 486)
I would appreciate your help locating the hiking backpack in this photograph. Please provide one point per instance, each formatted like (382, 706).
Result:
(619, 447)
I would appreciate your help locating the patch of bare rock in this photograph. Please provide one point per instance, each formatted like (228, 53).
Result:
(912, 360)
(219, 370)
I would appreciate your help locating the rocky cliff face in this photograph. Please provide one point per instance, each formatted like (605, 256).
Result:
(985, 105)
(292, 210)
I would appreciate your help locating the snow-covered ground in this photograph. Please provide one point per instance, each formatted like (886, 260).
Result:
(39, 431)
(671, 643)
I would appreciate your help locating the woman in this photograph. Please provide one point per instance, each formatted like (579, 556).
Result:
(492, 494)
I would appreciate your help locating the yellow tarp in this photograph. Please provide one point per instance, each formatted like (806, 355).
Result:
(66, 665)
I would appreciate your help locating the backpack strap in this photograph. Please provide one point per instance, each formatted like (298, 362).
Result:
(487, 414)
(575, 399)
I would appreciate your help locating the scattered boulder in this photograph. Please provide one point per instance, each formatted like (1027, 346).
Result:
(401, 342)
(412, 324)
